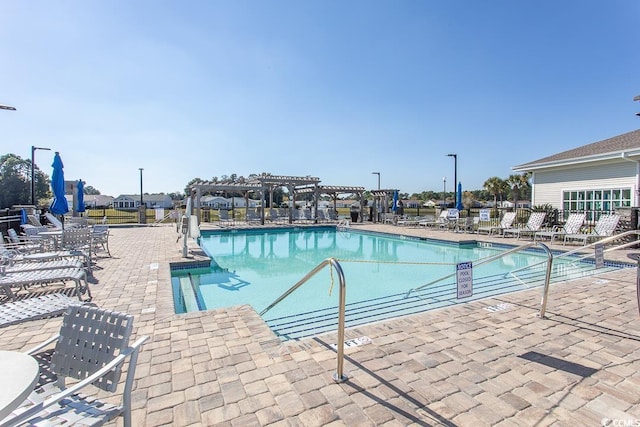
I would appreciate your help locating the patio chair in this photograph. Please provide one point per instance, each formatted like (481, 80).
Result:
(605, 227)
(531, 227)
(100, 237)
(223, 216)
(55, 222)
(441, 219)
(24, 279)
(505, 222)
(34, 308)
(470, 224)
(92, 348)
(20, 253)
(571, 226)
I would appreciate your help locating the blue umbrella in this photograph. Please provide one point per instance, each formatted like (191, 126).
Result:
(23, 217)
(459, 197)
(394, 206)
(80, 207)
(59, 205)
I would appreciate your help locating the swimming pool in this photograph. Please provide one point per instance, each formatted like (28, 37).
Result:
(255, 266)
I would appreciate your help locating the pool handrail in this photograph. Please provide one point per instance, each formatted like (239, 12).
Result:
(545, 292)
(339, 375)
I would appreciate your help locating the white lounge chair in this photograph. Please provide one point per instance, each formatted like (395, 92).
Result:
(24, 279)
(91, 349)
(605, 227)
(571, 226)
(533, 225)
(34, 308)
(441, 219)
(505, 222)
(55, 222)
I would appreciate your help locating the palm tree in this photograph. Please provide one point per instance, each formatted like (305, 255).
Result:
(495, 186)
(517, 183)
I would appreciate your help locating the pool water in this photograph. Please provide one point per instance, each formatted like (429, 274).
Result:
(256, 266)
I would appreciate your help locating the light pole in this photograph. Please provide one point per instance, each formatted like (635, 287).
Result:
(141, 199)
(377, 173)
(33, 172)
(455, 177)
(7, 107)
(444, 191)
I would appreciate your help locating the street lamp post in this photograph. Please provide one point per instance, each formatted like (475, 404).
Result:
(377, 173)
(141, 199)
(33, 172)
(375, 207)
(455, 177)
(444, 191)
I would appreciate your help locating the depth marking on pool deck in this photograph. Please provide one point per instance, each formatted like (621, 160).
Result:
(356, 342)
(498, 307)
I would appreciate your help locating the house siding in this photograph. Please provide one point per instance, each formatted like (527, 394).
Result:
(549, 185)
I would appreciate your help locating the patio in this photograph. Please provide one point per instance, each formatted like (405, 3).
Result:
(489, 362)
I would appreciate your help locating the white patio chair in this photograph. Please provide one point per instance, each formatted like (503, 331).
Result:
(571, 226)
(531, 227)
(505, 223)
(92, 347)
(605, 227)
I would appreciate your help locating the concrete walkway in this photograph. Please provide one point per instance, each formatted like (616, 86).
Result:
(485, 363)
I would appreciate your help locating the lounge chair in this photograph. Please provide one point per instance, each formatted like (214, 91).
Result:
(34, 308)
(24, 279)
(505, 222)
(19, 267)
(605, 227)
(55, 222)
(91, 349)
(22, 253)
(223, 216)
(571, 226)
(441, 219)
(531, 227)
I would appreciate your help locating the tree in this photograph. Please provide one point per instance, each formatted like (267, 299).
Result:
(518, 183)
(90, 190)
(496, 187)
(15, 181)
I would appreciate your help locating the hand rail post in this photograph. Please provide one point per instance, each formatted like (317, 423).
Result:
(547, 281)
(339, 376)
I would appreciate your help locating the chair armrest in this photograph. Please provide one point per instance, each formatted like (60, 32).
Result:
(42, 345)
(75, 388)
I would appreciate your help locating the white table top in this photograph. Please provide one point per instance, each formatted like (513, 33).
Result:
(19, 373)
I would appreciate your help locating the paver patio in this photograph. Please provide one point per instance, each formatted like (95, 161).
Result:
(484, 363)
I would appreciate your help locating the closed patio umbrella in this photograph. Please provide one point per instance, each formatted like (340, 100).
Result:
(59, 205)
(80, 207)
(459, 197)
(394, 206)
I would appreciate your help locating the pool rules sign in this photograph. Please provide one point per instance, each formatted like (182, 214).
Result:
(464, 277)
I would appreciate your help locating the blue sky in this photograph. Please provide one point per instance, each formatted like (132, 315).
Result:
(333, 89)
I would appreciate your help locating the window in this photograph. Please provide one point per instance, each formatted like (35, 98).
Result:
(592, 201)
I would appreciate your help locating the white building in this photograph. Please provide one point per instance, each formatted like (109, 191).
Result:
(601, 176)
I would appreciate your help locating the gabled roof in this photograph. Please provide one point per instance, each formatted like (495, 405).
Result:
(627, 143)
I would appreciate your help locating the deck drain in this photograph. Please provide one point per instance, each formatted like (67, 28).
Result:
(498, 307)
(153, 266)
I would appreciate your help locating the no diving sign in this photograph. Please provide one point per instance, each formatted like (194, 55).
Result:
(464, 277)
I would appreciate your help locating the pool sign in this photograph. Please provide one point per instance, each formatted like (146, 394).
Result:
(464, 276)
(599, 255)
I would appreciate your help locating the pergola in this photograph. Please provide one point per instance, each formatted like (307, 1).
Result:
(260, 184)
(381, 198)
(333, 191)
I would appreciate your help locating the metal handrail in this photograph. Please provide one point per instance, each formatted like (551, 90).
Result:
(339, 375)
(545, 293)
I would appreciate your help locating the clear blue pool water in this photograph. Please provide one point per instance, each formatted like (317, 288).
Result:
(256, 266)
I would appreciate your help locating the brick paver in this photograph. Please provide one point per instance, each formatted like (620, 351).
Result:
(462, 366)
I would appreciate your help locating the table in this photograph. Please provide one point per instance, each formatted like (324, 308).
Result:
(19, 373)
(55, 235)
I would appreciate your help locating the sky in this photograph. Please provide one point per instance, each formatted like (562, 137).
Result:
(332, 89)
